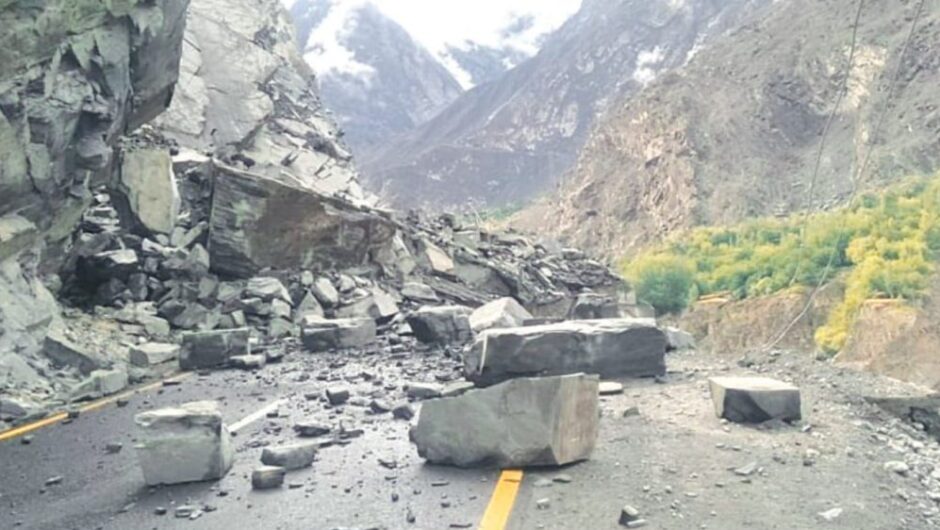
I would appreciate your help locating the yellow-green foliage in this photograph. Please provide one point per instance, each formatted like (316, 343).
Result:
(884, 245)
(664, 281)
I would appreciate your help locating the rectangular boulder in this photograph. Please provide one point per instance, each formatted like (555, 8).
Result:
(209, 349)
(441, 325)
(504, 312)
(258, 222)
(320, 334)
(546, 421)
(754, 399)
(152, 353)
(189, 443)
(610, 348)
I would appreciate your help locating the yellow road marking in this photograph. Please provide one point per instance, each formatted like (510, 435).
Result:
(504, 497)
(10, 434)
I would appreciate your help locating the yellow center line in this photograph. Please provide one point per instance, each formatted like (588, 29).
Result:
(10, 434)
(504, 497)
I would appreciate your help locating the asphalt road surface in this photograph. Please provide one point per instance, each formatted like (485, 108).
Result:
(661, 450)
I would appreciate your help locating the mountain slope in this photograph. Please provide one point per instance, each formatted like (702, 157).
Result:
(375, 78)
(509, 139)
(736, 132)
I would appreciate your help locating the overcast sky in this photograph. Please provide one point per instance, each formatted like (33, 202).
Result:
(439, 22)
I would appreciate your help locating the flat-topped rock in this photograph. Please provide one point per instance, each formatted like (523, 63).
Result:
(611, 348)
(754, 399)
(441, 325)
(320, 334)
(152, 353)
(209, 349)
(504, 312)
(544, 421)
(188, 443)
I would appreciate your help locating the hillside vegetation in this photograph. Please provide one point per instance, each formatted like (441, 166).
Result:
(884, 245)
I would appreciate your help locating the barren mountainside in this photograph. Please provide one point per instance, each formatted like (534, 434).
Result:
(510, 139)
(735, 133)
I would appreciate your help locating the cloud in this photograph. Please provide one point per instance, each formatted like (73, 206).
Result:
(439, 23)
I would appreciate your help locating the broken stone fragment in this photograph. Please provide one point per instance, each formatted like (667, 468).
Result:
(209, 349)
(441, 325)
(376, 304)
(267, 477)
(419, 292)
(153, 353)
(437, 261)
(502, 313)
(337, 395)
(548, 421)
(610, 388)
(611, 348)
(63, 351)
(267, 289)
(423, 390)
(319, 334)
(101, 383)
(247, 362)
(182, 444)
(754, 399)
(148, 195)
(324, 291)
(290, 457)
(594, 305)
(311, 429)
(679, 340)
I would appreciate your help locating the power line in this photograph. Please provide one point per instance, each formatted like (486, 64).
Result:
(857, 177)
(843, 91)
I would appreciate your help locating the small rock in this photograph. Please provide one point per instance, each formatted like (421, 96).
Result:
(267, 477)
(830, 515)
(895, 466)
(610, 388)
(629, 514)
(543, 503)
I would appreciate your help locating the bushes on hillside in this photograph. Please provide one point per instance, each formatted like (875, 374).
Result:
(883, 244)
(665, 282)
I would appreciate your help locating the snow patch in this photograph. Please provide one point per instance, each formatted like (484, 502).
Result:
(646, 61)
(325, 51)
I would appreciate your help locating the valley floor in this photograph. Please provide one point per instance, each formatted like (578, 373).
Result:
(670, 458)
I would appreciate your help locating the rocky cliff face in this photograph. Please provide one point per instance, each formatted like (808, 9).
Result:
(510, 139)
(245, 92)
(389, 84)
(736, 132)
(75, 75)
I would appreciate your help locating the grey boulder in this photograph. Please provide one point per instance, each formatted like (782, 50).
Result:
(293, 456)
(182, 444)
(320, 334)
(754, 399)
(611, 348)
(267, 477)
(152, 353)
(548, 421)
(441, 325)
(501, 313)
(208, 349)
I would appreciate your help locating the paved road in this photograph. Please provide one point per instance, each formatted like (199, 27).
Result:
(346, 487)
(673, 461)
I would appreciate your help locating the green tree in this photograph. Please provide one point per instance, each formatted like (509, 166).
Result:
(663, 281)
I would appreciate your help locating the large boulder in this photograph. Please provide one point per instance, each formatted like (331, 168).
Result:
(501, 313)
(149, 198)
(609, 348)
(250, 212)
(209, 349)
(182, 444)
(441, 325)
(320, 334)
(754, 399)
(594, 305)
(548, 421)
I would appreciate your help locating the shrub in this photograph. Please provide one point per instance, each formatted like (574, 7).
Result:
(665, 282)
